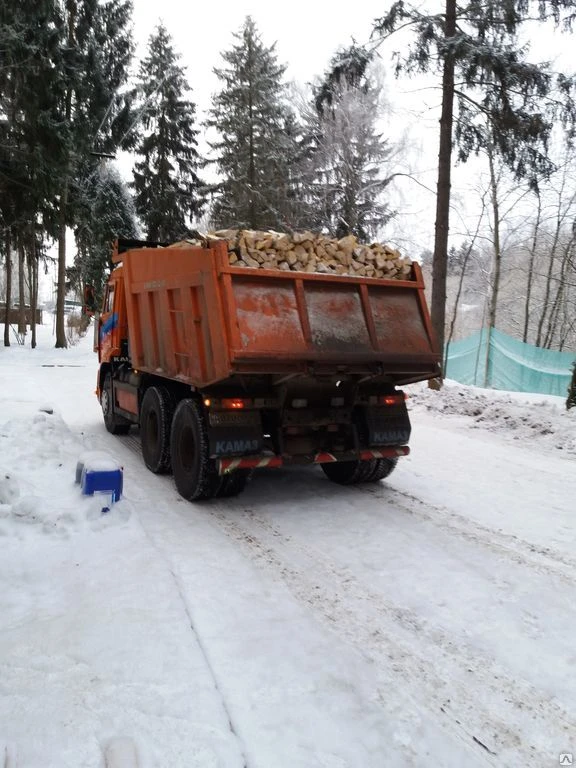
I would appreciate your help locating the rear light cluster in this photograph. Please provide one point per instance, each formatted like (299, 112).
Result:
(397, 399)
(229, 403)
(240, 403)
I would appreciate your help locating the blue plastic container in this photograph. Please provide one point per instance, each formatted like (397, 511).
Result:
(98, 481)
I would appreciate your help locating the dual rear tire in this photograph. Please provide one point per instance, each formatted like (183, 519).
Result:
(195, 473)
(355, 472)
(156, 415)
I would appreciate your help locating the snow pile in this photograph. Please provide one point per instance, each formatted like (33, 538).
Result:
(37, 474)
(541, 419)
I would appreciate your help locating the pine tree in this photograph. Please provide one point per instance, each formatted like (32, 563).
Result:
(253, 122)
(108, 212)
(98, 47)
(32, 142)
(168, 190)
(350, 157)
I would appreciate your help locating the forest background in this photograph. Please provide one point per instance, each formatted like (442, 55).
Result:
(113, 122)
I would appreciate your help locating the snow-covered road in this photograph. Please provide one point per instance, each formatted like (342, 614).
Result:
(429, 620)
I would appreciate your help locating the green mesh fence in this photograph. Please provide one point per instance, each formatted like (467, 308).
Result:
(493, 359)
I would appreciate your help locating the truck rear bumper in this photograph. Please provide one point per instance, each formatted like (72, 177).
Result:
(256, 462)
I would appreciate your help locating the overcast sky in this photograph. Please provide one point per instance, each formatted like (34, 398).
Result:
(307, 32)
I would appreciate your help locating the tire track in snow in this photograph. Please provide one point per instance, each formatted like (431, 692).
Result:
(121, 753)
(10, 757)
(499, 720)
(183, 598)
(393, 635)
(544, 560)
(132, 443)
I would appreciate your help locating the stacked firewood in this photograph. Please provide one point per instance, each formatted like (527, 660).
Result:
(308, 252)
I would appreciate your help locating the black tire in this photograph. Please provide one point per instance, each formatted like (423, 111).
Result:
(354, 472)
(384, 467)
(233, 483)
(116, 425)
(195, 473)
(345, 472)
(156, 415)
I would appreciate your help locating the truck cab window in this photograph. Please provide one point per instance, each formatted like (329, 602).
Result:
(109, 299)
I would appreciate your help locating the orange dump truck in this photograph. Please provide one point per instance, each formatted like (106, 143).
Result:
(226, 369)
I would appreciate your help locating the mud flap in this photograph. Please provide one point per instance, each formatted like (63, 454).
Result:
(387, 425)
(235, 433)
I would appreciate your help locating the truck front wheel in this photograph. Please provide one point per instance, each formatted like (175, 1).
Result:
(114, 424)
(155, 422)
(354, 472)
(195, 473)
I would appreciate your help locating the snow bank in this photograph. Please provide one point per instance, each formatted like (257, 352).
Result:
(37, 476)
(540, 420)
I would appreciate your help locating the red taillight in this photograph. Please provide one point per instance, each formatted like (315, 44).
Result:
(235, 403)
(392, 399)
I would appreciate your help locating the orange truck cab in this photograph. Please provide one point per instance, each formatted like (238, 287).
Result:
(226, 369)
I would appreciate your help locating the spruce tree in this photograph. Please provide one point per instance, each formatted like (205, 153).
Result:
(108, 212)
(168, 190)
(350, 157)
(98, 49)
(32, 141)
(252, 122)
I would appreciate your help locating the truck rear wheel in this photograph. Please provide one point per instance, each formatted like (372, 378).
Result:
(233, 484)
(382, 468)
(116, 425)
(354, 472)
(195, 473)
(155, 422)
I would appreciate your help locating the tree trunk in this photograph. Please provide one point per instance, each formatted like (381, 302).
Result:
(62, 217)
(21, 289)
(497, 263)
(442, 227)
(254, 223)
(493, 306)
(553, 319)
(531, 270)
(8, 291)
(550, 273)
(61, 342)
(568, 330)
(461, 282)
(33, 282)
(548, 289)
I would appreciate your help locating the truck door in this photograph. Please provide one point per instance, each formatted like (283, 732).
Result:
(108, 342)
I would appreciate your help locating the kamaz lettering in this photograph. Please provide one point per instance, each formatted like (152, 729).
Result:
(390, 436)
(236, 446)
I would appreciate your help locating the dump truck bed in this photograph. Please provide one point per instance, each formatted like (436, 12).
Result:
(195, 318)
